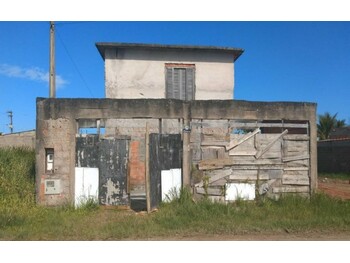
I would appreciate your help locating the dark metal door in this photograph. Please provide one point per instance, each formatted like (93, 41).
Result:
(110, 156)
(165, 154)
(113, 172)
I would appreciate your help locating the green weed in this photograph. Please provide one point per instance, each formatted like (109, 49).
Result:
(22, 219)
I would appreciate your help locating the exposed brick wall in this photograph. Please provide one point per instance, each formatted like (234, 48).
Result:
(136, 167)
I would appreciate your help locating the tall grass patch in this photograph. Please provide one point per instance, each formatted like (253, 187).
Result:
(17, 187)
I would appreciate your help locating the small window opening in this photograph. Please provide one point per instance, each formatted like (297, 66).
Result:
(49, 153)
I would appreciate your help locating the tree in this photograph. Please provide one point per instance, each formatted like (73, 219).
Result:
(326, 123)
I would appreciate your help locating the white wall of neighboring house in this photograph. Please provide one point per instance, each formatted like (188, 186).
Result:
(140, 73)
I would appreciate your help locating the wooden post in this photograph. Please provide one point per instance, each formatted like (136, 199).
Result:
(147, 177)
(186, 155)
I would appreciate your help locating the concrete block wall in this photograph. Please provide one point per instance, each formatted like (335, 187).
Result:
(57, 128)
(18, 139)
(56, 134)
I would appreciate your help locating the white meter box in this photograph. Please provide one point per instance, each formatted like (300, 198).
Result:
(52, 186)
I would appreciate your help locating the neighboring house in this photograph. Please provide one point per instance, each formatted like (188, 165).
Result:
(152, 71)
(340, 133)
(18, 139)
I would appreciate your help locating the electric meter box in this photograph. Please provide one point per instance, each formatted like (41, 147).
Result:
(52, 186)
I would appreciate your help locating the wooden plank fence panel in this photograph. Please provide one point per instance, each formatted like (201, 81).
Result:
(256, 167)
(248, 177)
(210, 191)
(297, 146)
(220, 182)
(241, 139)
(290, 189)
(296, 168)
(220, 163)
(299, 163)
(215, 175)
(295, 158)
(296, 137)
(270, 144)
(295, 179)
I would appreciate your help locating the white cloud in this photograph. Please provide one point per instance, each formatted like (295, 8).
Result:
(34, 73)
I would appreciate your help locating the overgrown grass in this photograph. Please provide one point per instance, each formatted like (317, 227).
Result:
(22, 219)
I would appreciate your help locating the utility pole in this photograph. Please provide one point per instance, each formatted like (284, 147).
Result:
(52, 61)
(10, 114)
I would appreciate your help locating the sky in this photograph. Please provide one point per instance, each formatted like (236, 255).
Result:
(282, 61)
(293, 50)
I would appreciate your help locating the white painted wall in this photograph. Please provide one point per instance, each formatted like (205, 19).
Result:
(170, 184)
(86, 185)
(140, 73)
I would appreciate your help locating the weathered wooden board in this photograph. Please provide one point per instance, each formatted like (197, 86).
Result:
(237, 152)
(296, 168)
(209, 153)
(220, 182)
(295, 179)
(222, 154)
(248, 177)
(300, 147)
(221, 137)
(245, 147)
(295, 158)
(271, 143)
(213, 152)
(255, 174)
(215, 175)
(214, 143)
(255, 167)
(234, 142)
(220, 163)
(291, 189)
(272, 174)
(298, 172)
(299, 163)
(210, 191)
(196, 152)
(296, 137)
(195, 136)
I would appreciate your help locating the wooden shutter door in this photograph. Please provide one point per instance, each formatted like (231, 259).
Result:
(189, 84)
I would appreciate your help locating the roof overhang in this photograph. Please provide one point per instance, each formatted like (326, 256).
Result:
(102, 46)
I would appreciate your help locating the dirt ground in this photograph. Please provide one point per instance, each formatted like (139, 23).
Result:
(335, 187)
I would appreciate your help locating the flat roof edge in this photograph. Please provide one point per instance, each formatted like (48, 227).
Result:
(102, 46)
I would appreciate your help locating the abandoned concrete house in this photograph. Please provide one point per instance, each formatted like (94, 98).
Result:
(169, 120)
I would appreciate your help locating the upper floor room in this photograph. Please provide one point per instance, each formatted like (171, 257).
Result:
(156, 71)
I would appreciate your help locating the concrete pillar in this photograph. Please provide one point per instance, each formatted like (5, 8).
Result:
(313, 150)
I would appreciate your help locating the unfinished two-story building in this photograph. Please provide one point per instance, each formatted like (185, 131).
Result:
(168, 120)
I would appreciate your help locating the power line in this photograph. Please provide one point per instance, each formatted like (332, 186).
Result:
(74, 64)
